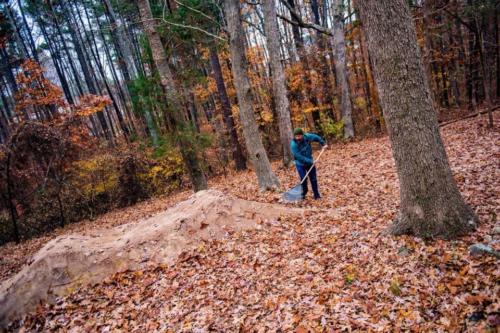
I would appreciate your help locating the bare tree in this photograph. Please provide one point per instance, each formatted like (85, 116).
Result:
(239, 65)
(338, 45)
(431, 204)
(239, 158)
(278, 79)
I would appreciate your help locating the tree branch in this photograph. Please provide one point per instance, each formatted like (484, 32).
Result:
(299, 22)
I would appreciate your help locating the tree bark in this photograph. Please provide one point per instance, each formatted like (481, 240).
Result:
(239, 65)
(338, 44)
(76, 74)
(29, 32)
(23, 50)
(122, 43)
(237, 152)
(297, 36)
(484, 73)
(431, 204)
(54, 54)
(278, 80)
(186, 146)
(101, 115)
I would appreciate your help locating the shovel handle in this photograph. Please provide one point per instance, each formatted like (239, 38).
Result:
(312, 166)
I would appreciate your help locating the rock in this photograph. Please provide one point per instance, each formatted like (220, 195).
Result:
(496, 230)
(479, 249)
(477, 316)
(488, 239)
(403, 251)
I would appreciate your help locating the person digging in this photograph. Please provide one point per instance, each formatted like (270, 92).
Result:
(302, 153)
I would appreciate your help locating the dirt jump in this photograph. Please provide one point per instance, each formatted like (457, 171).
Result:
(74, 261)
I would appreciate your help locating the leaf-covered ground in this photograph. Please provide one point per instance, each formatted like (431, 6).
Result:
(331, 271)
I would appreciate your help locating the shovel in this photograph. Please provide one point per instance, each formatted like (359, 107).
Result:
(295, 194)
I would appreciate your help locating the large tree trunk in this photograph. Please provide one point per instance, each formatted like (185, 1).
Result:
(431, 204)
(278, 79)
(338, 44)
(239, 65)
(188, 151)
(239, 158)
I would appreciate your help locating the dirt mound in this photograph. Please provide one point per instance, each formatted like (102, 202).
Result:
(69, 262)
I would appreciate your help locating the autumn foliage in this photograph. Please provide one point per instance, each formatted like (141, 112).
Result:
(53, 171)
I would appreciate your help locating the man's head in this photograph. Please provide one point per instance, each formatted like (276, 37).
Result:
(298, 134)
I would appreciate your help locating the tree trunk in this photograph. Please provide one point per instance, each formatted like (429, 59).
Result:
(239, 158)
(186, 146)
(23, 50)
(119, 88)
(297, 36)
(8, 71)
(76, 74)
(484, 73)
(122, 43)
(239, 65)
(55, 59)
(92, 41)
(308, 94)
(431, 204)
(338, 44)
(29, 32)
(278, 80)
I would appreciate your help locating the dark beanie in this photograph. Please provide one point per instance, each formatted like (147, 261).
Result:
(298, 131)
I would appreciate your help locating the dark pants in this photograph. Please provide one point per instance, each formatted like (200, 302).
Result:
(302, 169)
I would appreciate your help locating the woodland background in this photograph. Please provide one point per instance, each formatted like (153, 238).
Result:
(85, 125)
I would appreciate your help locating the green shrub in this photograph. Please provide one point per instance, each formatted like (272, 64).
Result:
(332, 129)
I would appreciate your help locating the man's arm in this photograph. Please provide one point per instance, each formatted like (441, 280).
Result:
(316, 138)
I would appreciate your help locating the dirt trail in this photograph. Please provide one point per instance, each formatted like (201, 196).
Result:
(69, 262)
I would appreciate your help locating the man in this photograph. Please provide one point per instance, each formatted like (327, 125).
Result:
(302, 152)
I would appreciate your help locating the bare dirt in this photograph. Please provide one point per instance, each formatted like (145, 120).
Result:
(72, 261)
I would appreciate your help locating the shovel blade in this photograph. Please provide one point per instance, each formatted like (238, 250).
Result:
(294, 194)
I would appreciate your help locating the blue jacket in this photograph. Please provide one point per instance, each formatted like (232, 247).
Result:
(302, 151)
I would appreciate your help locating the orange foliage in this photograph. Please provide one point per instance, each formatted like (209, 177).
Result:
(37, 94)
(35, 90)
(90, 104)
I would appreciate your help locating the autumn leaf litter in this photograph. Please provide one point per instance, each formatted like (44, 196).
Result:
(333, 270)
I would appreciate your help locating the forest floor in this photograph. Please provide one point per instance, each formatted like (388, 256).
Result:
(324, 272)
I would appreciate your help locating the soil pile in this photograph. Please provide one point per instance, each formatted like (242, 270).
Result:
(69, 262)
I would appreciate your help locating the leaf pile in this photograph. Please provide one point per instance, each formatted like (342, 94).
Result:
(333, 270)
